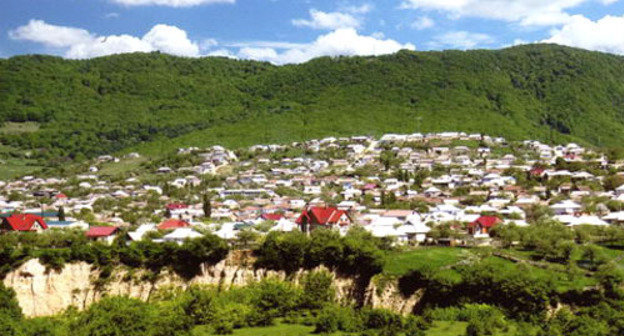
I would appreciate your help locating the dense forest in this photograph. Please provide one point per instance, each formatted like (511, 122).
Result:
(75, 109)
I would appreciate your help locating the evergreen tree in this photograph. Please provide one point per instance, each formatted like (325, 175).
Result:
(61, 214)
(207, 207)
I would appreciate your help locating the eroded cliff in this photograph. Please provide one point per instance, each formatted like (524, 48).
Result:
(43, 292)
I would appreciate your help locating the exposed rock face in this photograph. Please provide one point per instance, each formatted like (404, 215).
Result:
(389, 297)
(42, 292)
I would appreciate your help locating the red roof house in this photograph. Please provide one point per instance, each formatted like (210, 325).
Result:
(483, 225)
(328, 217)
(102, 233)
(176, 206)
(537, 171)
(172, 224)
(23, 222)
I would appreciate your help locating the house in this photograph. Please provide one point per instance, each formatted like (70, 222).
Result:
(102, 233)
(284, 225)
(327, 217)
(566, 207)
(23, 222)
(482, 226)
(570, 220)
(172, 224)
(140, 232)
(182, 234)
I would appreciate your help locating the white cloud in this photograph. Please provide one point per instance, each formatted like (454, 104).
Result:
(112, 15)
(422, 23)
(525, 12)
(266, 44)
(171, 40)
(50, 35)
(602, 35)
(108, 45)
(208, 44)
(330, 21)
(171, 3)
(221, 53)
(379, 35)
(339, 42)
(363, 9)
(79, 43)
(461, 40)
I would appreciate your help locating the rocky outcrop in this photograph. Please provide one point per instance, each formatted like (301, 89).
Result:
(43, 292)
(383, 292)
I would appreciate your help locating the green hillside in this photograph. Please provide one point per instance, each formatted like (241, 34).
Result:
(155, 102)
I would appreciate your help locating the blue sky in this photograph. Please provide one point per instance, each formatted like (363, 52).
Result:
(293, 31)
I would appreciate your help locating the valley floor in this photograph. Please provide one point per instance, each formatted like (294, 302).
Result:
(440, 328)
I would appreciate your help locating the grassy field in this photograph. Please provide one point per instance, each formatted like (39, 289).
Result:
(19, 128)
(121, 167)
(11, 168)
(439, 328)
(431, 257)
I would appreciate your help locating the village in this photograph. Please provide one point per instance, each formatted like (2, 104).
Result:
(446, 188)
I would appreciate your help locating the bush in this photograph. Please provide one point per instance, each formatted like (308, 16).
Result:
(10, 327)
(381, 318)
(275, 297)
(200, 305)
(114, 316)
(327, 321)
(9, 306)
(317, 289)
(333, 318)
(415, 326)
(55, 258)
(358, 253)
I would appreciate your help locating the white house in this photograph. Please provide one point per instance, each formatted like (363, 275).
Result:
(180, 235)
(566, 207)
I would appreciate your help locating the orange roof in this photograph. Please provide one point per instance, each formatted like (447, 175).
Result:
(171, 224)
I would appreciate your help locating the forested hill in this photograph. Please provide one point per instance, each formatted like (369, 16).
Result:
(82, 108)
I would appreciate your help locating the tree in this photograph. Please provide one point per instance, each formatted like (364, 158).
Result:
(207, 206)
(8, 303)
(115, 316)
(612, 182)
(246, 237)
(61, 214)
(611, 278)
(317, 289)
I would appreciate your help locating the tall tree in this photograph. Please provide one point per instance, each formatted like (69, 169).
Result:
(61, 214)
(207, 207)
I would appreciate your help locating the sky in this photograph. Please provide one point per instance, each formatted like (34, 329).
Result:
(295, 31)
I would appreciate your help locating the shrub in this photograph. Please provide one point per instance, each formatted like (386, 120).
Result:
(317, 289)
(55, 258)
(381, 318)
(9, 306)
(115, 316)
(275, 297)
(333, 318)
(200, 305)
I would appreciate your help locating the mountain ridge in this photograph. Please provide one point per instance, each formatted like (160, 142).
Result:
(154, 102)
